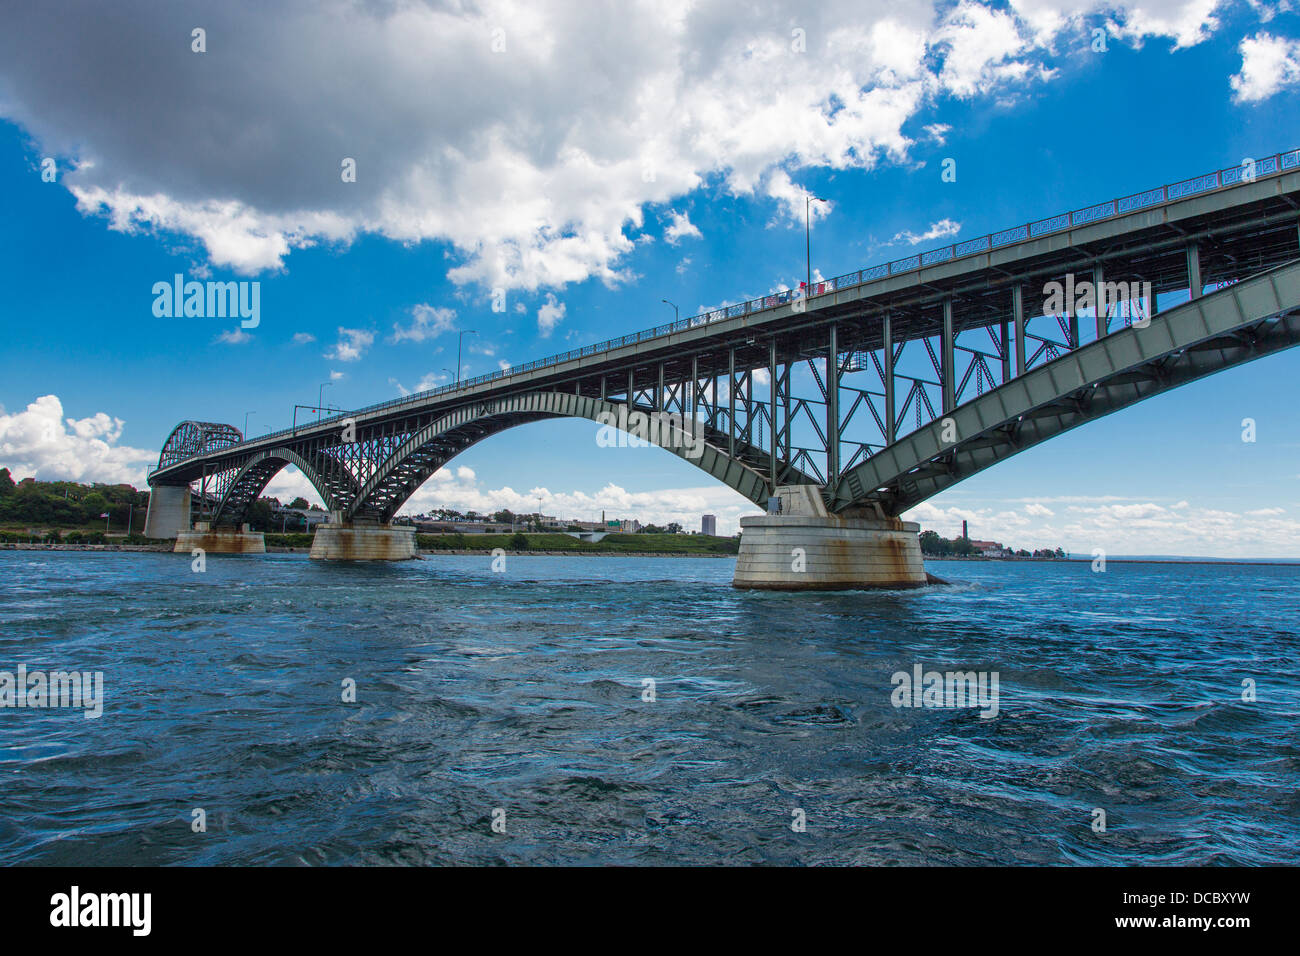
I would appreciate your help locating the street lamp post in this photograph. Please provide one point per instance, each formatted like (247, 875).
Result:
(459, 340)
(320, 397)
(677, 315)
(807, 238)
(246, 414)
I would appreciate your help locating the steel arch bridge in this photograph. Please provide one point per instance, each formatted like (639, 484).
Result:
(883, 387)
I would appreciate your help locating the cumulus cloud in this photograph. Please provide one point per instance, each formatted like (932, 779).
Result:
(792, 199)
(938, 230)
(459, 487)
(1121, 526)
(680, 228)
(234, 337)
(302, 338)
(549, 315)
(39, 442)
(1268, 64)
(352, 344)
(531, 163)
(426, 322)
(938, 132)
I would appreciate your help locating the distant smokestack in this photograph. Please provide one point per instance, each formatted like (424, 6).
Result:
(964, 535)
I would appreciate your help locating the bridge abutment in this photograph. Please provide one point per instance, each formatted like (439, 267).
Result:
(805, 548)
(341, 540)
(219, 540)
(169, 511)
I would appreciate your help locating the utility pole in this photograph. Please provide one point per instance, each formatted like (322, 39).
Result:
(808, 200)
(459, 340)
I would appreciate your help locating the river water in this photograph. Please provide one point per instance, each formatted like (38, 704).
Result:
(520, 699)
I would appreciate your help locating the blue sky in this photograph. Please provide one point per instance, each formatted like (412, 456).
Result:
(560, 169)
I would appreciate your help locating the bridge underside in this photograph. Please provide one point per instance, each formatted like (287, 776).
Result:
(880, 394)
(1219, 330)
(1237, 324)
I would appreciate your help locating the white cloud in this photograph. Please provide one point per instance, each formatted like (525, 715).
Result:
(791, 198)
(942, 229)
(302, 338)
(432, 380)
(234, 337)
(938, 132)
(551, 312)
(1268, 64)
(680, 228)
(1122, 526)
(40, 443)
(352, 344)
(458, 487)
(979, 48)
(530, 164)
(426, 322)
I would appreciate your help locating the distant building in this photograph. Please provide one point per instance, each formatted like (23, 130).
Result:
(709, 524)
(991, 549)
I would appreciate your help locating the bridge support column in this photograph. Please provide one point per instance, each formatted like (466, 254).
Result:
(219, 540)
(169, 511)
(341, 540)
(805, 548)
(1196, 288)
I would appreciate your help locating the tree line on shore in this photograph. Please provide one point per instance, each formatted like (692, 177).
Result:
(68, 504)
(935, 545)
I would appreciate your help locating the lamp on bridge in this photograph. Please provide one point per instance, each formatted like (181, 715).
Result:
(320, 397)
(676, 313)
(459, 339)
(807, 238)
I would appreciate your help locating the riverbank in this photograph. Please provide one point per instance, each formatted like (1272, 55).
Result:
(270, 549)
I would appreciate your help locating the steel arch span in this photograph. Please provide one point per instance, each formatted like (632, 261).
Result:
(196, 438)
(433, 446)
(245, 485)
(413, 461)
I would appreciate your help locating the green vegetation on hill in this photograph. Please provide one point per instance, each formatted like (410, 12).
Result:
(66, 504)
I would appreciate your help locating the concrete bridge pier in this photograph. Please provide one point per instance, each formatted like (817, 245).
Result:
(219, 540)
(806, 548)
(359, 540)
(169, 511)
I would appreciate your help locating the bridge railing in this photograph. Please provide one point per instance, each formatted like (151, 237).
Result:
(1219, 179)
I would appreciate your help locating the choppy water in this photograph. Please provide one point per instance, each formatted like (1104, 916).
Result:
(523, 691)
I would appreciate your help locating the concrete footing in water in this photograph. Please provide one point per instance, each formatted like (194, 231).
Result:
(355, 541)
(805, 548)
(219, 541)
